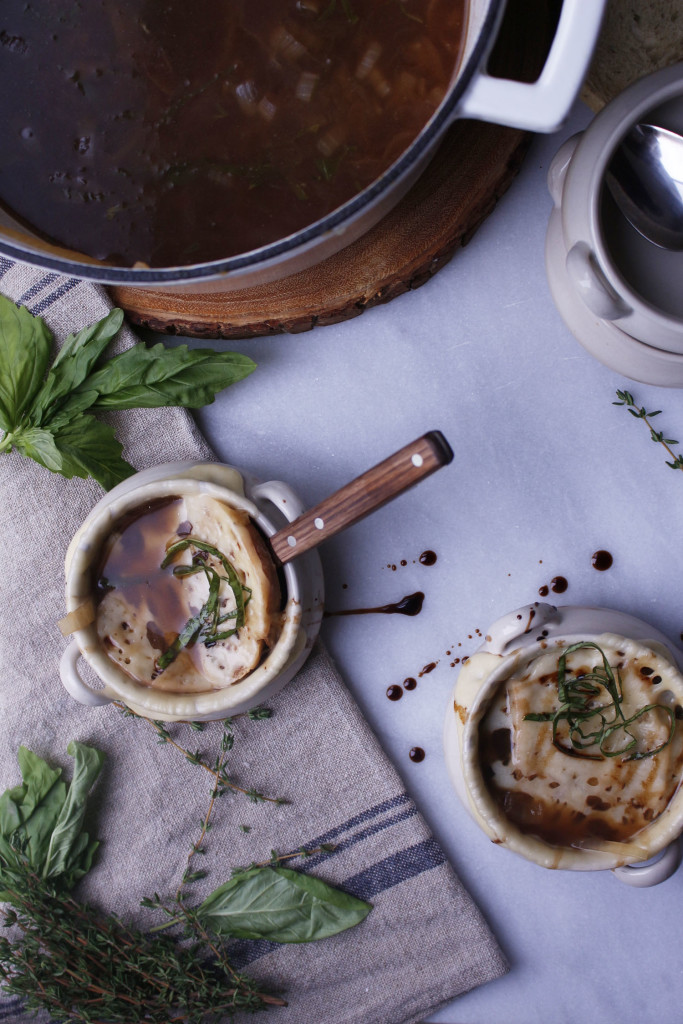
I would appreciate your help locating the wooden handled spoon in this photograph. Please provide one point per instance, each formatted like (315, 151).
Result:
(363, 495)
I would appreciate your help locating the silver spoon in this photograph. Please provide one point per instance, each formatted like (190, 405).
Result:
(645, 177)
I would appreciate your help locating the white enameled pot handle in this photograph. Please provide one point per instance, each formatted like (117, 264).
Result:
(642, 876)
(74, 685)
(542, 106)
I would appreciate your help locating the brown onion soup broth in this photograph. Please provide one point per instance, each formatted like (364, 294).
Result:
(131, 564)
(183, 132)
(529, 779)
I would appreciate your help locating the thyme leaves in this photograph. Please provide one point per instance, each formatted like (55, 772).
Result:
(641, 413)
(85, 965)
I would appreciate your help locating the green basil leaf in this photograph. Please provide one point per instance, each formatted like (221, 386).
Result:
(25, 344)
(80, 447)
(40, 821)
(38, 778)
(28, 813)
(39, 445)
(280, 905)
(148, 378)
(67, 842)
(89, 448)
(73, 405)
(74, 361)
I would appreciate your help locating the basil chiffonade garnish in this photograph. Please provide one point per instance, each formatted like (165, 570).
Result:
(205, 625)
(592, 720)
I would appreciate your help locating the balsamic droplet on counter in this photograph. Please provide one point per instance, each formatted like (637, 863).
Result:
(409, 683)
(428, 668)
(558, 585)
(411, 604)
(601, 560)
(394, 693)
(427, 558)
(417, 754)
(543, 591)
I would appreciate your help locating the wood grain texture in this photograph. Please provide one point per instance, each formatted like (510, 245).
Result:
(474, 166)
(364, 495)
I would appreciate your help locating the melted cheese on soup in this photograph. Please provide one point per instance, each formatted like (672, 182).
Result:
(570, 800)
(144, 608)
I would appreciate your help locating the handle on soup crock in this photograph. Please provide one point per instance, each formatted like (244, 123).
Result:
(528, 619)
(281, 495)
(644, 875)
(542, 106)
(75, 686)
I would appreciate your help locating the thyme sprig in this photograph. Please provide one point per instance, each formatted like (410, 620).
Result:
(587, 719)
(85, 965)
(90, 967)
(218, 768)
(641, 413)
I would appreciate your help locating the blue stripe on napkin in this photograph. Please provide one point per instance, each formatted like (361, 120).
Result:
(399, 867)
(8, 1007)
(41, 283)
(50, 299)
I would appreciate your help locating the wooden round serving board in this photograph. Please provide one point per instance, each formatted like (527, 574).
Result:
(473, 167)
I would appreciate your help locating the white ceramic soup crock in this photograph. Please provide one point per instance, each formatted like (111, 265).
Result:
(618, 293)
(270, 505)
(512, 642)
(538, 106)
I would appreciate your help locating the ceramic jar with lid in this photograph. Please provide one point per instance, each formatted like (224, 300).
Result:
(618, 293)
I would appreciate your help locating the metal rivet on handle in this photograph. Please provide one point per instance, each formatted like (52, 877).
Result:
(318, 523)
(417, 460)
(291, 541)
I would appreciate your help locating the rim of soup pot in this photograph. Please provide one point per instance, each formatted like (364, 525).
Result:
(336, 222)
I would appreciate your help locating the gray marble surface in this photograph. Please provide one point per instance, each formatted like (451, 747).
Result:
(547, 470)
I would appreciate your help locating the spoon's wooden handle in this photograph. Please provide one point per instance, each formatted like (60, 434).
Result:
(363, 495)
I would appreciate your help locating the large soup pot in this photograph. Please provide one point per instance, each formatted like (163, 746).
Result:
(540, 106)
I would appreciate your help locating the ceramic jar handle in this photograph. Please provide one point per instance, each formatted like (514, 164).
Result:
(75, 686)
(523, 621)
(644, 875)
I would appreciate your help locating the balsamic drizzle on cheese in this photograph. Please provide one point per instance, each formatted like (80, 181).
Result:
(626, 763)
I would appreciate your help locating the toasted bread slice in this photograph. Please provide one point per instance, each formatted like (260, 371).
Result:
(145, 608)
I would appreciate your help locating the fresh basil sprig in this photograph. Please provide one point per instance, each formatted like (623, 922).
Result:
(41, 820)
(47, 412)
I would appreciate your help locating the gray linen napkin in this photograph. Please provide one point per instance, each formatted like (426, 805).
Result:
(425, 941)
